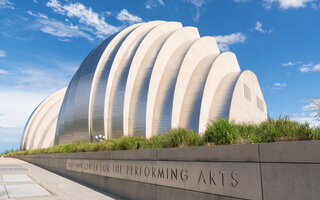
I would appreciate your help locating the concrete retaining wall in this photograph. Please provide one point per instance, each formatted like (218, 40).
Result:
(288, 170)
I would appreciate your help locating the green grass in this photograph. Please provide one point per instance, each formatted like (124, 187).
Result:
(272, 130)
(217, 133)
(10, 151)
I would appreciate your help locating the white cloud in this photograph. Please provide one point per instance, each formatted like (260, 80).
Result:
(15, 112)
(310, 68)
(161, 2)
(44, 74)
(27, 84)
(304, 69)
(288, 64)
(260, 29)
(308, 119)
(16, 106)
(86, 16)
(224, 41)
(198, 4)
(80, 21)
(279, 86)
(9, 135)
(150, 4)
(307, 65)
(58, 28)
(241, 0)
(39, 80)
(56, 6)
(2, 71)
(64, 40)
(6, 4)
(108, 13)
(124, 15)
(10, 138)
(286, 4)
(32, 14)
(2, 53)
(313, 105)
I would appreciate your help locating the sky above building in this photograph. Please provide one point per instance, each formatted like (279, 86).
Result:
(43, 42)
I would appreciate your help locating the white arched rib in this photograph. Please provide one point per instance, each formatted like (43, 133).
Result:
(139, 76)
(28, 125)
(43, 123)
(224, 64)
(164, 73)
(117, 73)
(186, 87)
(246, 109)
(104, 66)
(220, 106)
(37, 121)
(47, 110)
(26, 138)
(50, 115)
(47, 138)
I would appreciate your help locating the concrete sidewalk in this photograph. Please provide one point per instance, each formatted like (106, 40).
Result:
(22, 180)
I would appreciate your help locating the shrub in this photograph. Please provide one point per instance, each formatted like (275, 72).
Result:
(248, 133)
(53, 149)
(316, 134)
(222, 132)
(283, 129)
(110, 144)
(129, 143)
(178, 137)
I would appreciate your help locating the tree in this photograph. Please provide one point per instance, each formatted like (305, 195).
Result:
(316, 102)
(315, 106)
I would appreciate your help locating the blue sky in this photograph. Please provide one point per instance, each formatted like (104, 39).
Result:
(42, 42)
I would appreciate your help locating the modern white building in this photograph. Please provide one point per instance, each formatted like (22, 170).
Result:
(144, 80)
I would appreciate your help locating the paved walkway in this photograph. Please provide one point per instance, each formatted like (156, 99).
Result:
(21, 180)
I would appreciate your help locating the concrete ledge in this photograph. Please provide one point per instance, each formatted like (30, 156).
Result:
(103, 155)
(291, 181)
(291, 152)
(286, 170)
(221, 153)
(148, 154)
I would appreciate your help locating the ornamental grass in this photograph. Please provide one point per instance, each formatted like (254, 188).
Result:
(219, 132)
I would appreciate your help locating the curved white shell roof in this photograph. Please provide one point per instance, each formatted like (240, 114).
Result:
(40, 128)
(146, 79)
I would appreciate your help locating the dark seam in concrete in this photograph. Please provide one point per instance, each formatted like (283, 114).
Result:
(5, 187)
(295, 163)
(260, 172)
(171, 160)
(203, 161)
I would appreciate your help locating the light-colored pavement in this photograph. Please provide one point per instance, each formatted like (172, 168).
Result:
(24, 181)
